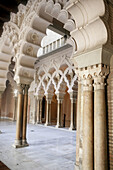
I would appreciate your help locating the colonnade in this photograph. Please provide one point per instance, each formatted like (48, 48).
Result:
(60, 98)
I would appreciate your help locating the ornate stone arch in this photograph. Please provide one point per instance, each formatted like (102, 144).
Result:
(79, 17)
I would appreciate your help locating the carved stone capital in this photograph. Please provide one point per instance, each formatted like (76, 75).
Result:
(26, 89)
(87, 83)
(60, 97)
(73, 96)
(20, 88)
(99, 82)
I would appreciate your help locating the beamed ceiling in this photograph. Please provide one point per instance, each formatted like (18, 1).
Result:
(7, 6)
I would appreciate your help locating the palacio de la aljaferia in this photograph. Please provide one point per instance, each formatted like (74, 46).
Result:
(56, 70)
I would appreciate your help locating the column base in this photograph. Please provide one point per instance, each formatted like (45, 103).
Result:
(39, 122)
(24, 143)
(72, 128)
(20, 144)
(47, 124)
(59, 126)
(77, 167)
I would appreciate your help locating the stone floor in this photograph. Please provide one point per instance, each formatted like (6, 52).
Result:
(49, 148)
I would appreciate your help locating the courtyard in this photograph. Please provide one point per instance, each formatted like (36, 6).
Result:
(49, 148)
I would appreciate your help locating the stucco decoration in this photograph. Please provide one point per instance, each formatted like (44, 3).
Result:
(55, 74)
(26, 29)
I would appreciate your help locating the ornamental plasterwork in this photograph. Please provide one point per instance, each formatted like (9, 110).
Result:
(58, 71)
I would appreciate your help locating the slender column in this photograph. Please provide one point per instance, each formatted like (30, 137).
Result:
(0, 102)
(100, 128)
(15, 108)
(18, 140)
(88, 125)
(38, 113)
(24, 140)
(0, 107)
(59, 113)
(73, 110)
(78, 123)
(48, 113)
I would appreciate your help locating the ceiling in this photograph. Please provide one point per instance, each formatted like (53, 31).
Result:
(7, 6)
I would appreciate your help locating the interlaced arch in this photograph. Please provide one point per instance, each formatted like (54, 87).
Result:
(29, 27)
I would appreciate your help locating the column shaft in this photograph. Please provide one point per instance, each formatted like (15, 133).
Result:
(88, 129)
(78, 122)
(18, 140)
(73, 115)
(24, 141)
(59, 114)
(48, 113)
(40, 112)
(100, 130)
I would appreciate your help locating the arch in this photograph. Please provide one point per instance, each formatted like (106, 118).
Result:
(31, 21)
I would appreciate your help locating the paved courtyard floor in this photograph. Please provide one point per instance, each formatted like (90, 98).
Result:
(49, 148)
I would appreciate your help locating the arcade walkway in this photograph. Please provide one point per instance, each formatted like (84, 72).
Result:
(50, 148)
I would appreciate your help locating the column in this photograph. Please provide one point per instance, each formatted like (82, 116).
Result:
(48, 113)
(88, 125)
(78, 123)
(0, 106)
(73, 110)
(15, 105)
(18, 140)
(39, 110)
(100, 127)
(0, 102)
(24, 140)
(60, 97)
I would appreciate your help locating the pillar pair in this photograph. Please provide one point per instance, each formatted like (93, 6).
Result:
(21, 124)
(94, 128)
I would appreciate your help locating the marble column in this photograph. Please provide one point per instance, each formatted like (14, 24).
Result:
(100, 127)
(39, 110)
(18, 140)
(15, 107)
(48, 113)
(60, 97)
(88, 125)
(73, 96)
(59, 113)
(78, 123)
(25, 106)
(0, 107)
(0, 102)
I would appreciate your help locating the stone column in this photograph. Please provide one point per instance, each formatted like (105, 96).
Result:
(39, 110)
(73, 110)
(24, 140)
(0, 107)
(60, 97)
(15, 107)
(100, 128)
(48, 113)
(88, 125)
(78, 123)
(18, 140)
(0, 102)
